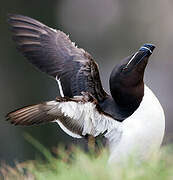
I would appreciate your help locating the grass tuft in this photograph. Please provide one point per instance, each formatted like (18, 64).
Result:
(75, 164)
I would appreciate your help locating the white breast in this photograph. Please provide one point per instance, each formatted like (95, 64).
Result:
(142, 132)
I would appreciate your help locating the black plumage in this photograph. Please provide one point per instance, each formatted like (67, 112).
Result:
(52, 52)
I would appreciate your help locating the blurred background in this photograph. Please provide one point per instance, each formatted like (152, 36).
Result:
(109, 30)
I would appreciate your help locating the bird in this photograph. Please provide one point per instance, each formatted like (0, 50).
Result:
(130, 117)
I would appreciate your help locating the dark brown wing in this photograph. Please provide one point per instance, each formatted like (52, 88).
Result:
(52, 52)
(77, 116)
(51, 111)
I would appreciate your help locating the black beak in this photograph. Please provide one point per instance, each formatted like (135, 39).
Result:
(145, 51)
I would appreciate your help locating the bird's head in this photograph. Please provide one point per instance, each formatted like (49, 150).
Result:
(130, 70)
(126, 79)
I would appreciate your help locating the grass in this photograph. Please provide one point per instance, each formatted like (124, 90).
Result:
(75, 164)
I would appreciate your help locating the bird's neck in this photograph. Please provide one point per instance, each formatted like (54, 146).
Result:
(124, 101)
(128, 97)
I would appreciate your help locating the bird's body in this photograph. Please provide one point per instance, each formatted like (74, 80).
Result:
(131, 117)
(142, 132)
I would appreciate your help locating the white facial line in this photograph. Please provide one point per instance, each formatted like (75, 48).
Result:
(147, 49)
(136, 53)
(60, 87)
(131, 59)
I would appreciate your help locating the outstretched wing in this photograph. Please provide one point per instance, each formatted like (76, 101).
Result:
(52, 52)
(77, 116)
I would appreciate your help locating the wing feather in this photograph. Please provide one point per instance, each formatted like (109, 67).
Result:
(76, 116)
(52, 52)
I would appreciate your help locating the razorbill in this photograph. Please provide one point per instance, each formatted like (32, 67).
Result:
(131, 117)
